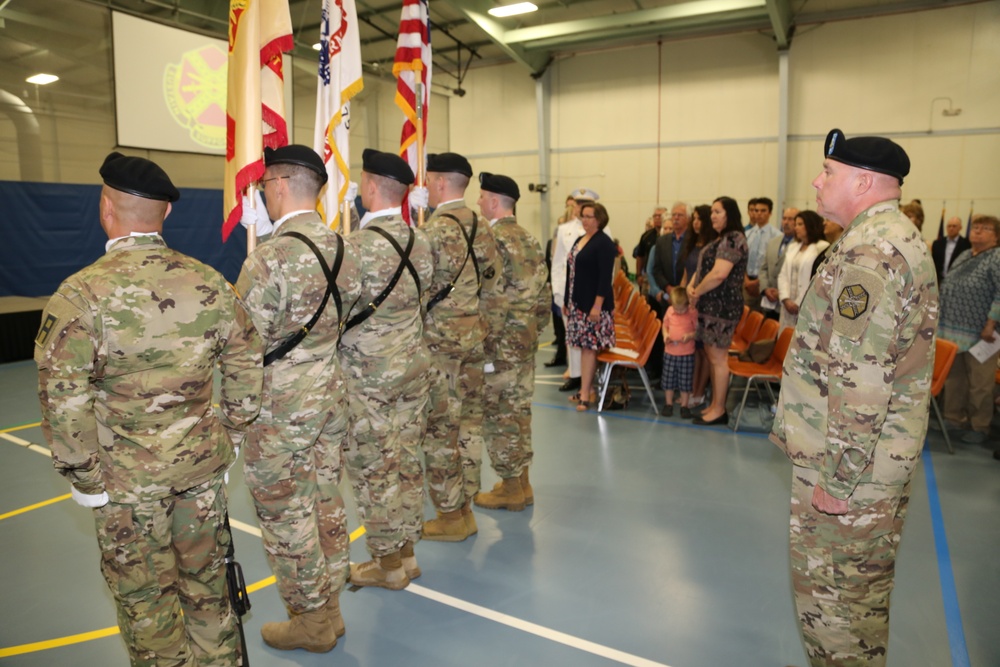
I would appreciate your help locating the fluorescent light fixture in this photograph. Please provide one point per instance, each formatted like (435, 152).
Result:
(317, 46)
(42, 79)
(513, 10)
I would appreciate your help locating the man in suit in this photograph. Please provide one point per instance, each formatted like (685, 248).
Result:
(945, 250)
(771, 267)
(665, 270)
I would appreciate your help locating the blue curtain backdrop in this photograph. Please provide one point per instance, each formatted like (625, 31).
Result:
(48, 231)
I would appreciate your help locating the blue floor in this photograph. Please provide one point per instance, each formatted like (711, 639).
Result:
(651, 542)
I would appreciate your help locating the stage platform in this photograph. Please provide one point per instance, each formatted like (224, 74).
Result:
(20, 317)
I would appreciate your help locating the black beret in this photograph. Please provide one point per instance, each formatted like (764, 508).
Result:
(449, 163)
(872, 153)
(500, 184)
(138, 176)
(389, 165)
(296, 154)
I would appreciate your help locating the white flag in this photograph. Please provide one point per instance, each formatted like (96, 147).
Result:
(339, 80)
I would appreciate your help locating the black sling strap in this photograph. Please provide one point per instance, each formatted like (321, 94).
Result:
(404, 262)
(331, 288)
(469, 240)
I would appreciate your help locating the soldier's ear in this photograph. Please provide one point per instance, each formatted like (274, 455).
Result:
(864, 181)
(170, 207)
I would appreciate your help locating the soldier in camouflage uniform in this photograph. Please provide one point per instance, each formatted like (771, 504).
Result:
(385, 363)
(126, 356)
(293, 454)
(523, 308)
(464, 275)
(853, 409)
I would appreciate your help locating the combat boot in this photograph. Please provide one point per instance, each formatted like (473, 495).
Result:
(409, 560)
(333, 611)
(447, 527)
(506, 495)
(529, 493)
(311, 630)
(384, 572)
(470, 518)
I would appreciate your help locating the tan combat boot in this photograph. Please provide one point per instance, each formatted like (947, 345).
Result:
(384, 572)
(470, 518)
(409, 560)
(333, 611)
(506, 495)
(529, 493)
(447, 527)
(311, 630)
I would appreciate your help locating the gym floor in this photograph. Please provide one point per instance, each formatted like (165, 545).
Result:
(651, 542)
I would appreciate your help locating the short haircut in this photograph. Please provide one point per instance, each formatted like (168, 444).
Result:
(988, 221)
(766, 201)
(600, 213)
(753, 200)
(678, 296)
(389, 188)
(734, 219)
(303, 182)
(814, 226)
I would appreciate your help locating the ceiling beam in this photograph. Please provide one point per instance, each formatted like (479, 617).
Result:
(704, 10)
(781, 21)
(476, 11)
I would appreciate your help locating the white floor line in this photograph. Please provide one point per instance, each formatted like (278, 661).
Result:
(534, 628)
(557, 383)
(24, 443)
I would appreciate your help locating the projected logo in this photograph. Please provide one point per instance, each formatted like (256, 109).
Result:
(195, 91)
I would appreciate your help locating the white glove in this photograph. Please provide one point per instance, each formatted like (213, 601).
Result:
(92, 501)
(256, 217)
(419, 197)
(352, 193)
(488, 368)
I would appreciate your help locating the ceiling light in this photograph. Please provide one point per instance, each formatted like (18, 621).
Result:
(42, 79)
(513, 10)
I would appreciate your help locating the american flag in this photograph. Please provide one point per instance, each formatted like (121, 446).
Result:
(413, 65)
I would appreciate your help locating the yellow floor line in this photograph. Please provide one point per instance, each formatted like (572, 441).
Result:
(36, 506)
(20, 428)
(108, 632)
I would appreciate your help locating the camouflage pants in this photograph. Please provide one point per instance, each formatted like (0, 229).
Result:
(300, 509)
(383, 460)
(164, 562)
(453, 443)
(842, 571)
(507, 400)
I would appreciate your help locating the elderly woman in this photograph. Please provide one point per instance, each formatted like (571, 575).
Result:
(717, 293)
(590, 303)
(970, 310)
(796, 270)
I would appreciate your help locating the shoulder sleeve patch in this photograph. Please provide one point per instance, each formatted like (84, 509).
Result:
(46, 329)
(859, 295)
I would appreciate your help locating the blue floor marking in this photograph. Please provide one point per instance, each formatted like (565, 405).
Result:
(952, 613)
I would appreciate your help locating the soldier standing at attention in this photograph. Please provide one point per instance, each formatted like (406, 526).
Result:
(386, 365)
(126, 355)
(853, 409)
(464, 285)
(524, 310)
(298, 286)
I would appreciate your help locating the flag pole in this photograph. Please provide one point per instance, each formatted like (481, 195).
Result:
(420, 146)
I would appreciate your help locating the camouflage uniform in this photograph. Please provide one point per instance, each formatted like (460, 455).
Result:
(385, 364)
(293, 454)
(852, 417)
(454, 333)
(524, 307)
(126, 356)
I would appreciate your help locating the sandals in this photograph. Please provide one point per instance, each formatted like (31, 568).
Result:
(575, 398)
(582, 406)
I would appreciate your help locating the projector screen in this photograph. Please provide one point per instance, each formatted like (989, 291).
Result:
(170, 87)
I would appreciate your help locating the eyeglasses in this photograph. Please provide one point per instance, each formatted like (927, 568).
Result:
(589, 217)
(264, 181)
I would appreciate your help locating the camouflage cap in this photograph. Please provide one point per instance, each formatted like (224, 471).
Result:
(872, 153)
(303, 156)
(138, 176)
(499, 184)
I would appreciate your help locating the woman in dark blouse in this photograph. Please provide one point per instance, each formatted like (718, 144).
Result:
(700, 236)
(717, 293)
(590, 303)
